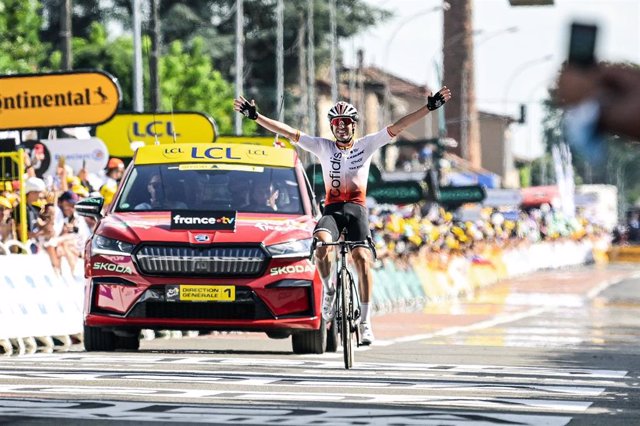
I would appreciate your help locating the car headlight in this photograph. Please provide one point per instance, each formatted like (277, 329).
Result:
(299, 248)
(104, 245)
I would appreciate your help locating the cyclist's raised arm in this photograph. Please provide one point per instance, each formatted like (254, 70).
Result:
(433, 102)
(249, 110)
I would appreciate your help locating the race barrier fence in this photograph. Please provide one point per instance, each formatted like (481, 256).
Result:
(40, 309)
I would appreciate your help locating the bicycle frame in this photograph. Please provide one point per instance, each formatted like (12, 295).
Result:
(347, 298)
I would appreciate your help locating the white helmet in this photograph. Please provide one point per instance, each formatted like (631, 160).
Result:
(343, 109)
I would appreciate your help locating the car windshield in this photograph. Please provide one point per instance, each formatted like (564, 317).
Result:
(211, 187)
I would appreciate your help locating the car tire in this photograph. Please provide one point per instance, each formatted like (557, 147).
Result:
(333, 338)
(97, 339)
(130, 343)
(310, 342)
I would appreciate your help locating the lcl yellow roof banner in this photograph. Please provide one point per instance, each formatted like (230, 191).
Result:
(65, 99)
(166, 127)
(216, 153)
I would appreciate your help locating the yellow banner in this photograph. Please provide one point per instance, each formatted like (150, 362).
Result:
(255, 140)
(57, 100)
(167, 128)
(216, 153)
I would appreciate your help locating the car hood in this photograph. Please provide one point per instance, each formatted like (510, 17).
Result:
(250, 228)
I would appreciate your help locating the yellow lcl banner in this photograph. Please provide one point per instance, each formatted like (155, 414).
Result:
(147, 127)
(65, 99)
(215, 154)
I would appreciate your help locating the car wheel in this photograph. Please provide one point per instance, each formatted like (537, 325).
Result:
(130, 343)
(97, 339)
(310, 342)
(332, 336)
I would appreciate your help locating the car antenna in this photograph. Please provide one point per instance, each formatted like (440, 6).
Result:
(147, 49)
(173, 133)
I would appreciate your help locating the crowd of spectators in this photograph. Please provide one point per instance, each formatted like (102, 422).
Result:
(52, 225)
(399, 232)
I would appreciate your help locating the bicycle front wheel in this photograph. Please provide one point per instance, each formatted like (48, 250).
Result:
(346, 308)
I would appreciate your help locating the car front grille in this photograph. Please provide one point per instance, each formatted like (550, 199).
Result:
(205, 262)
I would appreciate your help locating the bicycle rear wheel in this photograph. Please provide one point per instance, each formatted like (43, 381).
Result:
(345, 321)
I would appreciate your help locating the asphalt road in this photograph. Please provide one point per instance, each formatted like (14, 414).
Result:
(553, 348)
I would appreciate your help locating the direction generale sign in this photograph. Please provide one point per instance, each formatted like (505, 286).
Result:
(63, 99)
(147, 127)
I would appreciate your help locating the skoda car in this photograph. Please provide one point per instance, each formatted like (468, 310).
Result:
(205, 237)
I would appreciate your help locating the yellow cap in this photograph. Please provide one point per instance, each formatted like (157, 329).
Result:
(108, 191)
(5, 203)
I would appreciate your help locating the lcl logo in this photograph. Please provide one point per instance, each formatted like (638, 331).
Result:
(172, 152)
(155, 128)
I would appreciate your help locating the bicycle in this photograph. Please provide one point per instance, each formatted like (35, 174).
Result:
(348, 309)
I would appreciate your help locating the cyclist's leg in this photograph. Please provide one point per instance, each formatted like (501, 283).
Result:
(327, 231)
(358, 230)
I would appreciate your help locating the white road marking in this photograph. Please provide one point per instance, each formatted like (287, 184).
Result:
(172, 394)
(264, 414)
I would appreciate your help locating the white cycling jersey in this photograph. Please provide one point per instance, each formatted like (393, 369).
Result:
(345, 172)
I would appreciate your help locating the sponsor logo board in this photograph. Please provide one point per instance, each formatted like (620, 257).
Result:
(204, 220)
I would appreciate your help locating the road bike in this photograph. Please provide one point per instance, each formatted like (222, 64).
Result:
(347, 297)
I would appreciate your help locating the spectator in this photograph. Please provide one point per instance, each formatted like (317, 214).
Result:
(114, 174)
(7, 225)
(75, 231)
(34, 190)
(613, 90)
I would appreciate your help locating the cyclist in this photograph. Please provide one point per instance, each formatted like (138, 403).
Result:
(345, 165)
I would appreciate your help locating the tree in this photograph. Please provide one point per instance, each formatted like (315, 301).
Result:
(190, 83)
(21, 50)
(98, 52)
(84, 14)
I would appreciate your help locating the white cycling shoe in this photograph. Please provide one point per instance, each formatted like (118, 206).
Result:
(366, 333)
(328, 304)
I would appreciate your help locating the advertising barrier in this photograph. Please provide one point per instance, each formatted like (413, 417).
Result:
(37, 306)
(35, 302)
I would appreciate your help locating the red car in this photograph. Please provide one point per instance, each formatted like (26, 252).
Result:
(205, 237)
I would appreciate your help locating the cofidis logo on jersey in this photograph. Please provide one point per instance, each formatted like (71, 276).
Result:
(203, 220)
(334, 175)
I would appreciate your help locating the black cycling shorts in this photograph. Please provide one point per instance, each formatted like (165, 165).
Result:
(350, 216)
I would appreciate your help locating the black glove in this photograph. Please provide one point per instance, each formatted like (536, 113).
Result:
(249, 110)
(435, 101)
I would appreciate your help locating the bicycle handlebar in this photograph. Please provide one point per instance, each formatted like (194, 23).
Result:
(368, 243)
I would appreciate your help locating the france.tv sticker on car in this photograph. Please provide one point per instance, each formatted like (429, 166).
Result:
(204, 220)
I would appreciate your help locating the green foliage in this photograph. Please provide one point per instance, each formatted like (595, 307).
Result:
(190, 83)
(112, 56)
(20, 48)
(85, 13)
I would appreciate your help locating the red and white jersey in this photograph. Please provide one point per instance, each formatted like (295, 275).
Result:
(345, 172)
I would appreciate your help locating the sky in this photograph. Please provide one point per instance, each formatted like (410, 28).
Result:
(518, 50)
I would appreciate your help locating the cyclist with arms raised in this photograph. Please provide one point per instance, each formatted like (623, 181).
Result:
(345, 168)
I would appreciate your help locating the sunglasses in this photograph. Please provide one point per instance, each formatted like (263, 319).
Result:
(345, 120)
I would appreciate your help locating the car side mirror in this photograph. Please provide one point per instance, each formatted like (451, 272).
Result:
(90, 207)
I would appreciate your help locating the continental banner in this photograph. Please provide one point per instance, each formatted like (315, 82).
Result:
(149, 127)
(64, 99)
